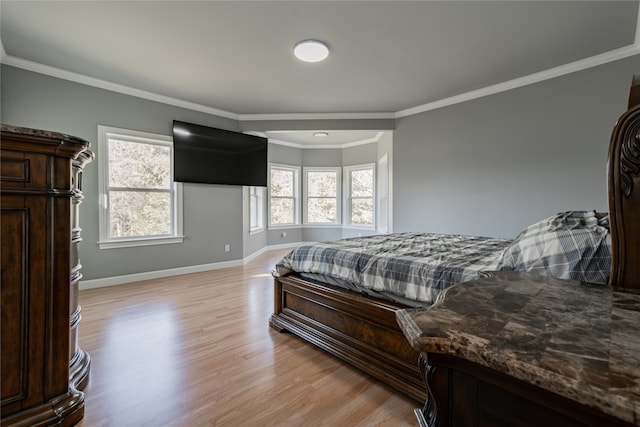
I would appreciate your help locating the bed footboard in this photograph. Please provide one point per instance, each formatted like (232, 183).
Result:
(360, 330)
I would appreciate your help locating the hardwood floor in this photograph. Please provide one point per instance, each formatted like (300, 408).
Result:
(197, 350)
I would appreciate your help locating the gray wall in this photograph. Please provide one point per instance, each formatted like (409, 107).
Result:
(496, 164)
(38, 101)
(360, 154)
(214, 215)
(485, 167)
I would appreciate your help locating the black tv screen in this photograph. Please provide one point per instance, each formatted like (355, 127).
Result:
(209, 155)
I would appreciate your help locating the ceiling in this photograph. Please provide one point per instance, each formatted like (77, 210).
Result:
(388, 59)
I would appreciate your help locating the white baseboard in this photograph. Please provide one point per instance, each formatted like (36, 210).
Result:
(158, 274)
(284, 246)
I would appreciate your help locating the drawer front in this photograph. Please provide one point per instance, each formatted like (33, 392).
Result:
(23, 170)
(24, 295)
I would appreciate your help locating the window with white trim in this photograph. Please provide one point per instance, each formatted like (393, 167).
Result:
(284, 195)
(359, 188)
(322, 195)
(256, 208)
(139, 202)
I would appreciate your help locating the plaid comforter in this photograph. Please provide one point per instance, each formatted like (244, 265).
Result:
(416, 266)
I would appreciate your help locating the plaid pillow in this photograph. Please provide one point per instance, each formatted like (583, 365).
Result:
(569, 245)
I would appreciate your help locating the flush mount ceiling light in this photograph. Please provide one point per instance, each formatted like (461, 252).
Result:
(321, 134)
(311, 51)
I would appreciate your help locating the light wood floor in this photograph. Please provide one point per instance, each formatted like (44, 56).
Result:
(196, 350)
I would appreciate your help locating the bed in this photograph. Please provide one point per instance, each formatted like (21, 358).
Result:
(342, 295)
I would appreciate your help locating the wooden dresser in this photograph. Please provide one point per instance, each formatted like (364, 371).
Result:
(41, 363)
(516, 349)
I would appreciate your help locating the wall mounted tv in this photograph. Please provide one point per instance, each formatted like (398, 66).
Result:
(208, 155)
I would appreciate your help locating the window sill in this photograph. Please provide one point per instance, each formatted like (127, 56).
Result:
(256, 231)
(128, 243)
(359, 227)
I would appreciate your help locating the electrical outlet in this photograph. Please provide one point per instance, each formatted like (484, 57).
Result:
(227, 247)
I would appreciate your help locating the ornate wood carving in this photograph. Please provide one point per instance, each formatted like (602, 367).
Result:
(41, 363)
(629, 159)
(430, 416)
(624, 197)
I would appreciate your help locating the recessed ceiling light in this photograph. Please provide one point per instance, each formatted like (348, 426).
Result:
(321, 134)
(311, 51)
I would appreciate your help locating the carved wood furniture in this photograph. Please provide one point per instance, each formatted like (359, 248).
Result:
(521, 349)
(533, 351)
(624, 194)
(361, 330)
(41, 362)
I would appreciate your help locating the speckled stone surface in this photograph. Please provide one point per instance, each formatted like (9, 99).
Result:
(45, 141)
(42, 133)
(577, 340)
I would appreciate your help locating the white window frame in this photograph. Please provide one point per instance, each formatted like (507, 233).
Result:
(348, 195)
(338, 196)
(105, 240)
(295, 197)
(256, 208)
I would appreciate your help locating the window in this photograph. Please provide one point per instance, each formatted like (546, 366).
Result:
(360, 191)
(284, 190)
(140, 203)
(322, 195)
(256, 209)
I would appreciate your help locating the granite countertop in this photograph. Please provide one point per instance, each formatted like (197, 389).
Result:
(47, 141)
(577, 340)
(43, 133)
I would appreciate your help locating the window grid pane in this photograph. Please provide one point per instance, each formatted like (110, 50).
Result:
(361, 196)
(321, 196)
(253, 210)
(140, 195)
(322, 184)
(282, 210)
(139, 165)
(362, 183)
(282, 183)
(362, 211)
(322, 210)
(256, 216)
(139, 213)
(283, 196)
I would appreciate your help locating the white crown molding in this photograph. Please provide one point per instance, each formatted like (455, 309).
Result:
(316, 116)
(593, 61)
(572, 67)
(375, 138)
(290, 144)
(306, 147)
(561, 70)
(103, 84)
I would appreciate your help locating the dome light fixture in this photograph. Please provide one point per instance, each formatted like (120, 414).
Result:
(321, 134)
(311, 51)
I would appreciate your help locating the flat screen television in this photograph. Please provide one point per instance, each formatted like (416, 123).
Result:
(209, 155)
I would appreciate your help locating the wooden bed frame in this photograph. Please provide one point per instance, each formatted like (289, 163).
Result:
(363, 330)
